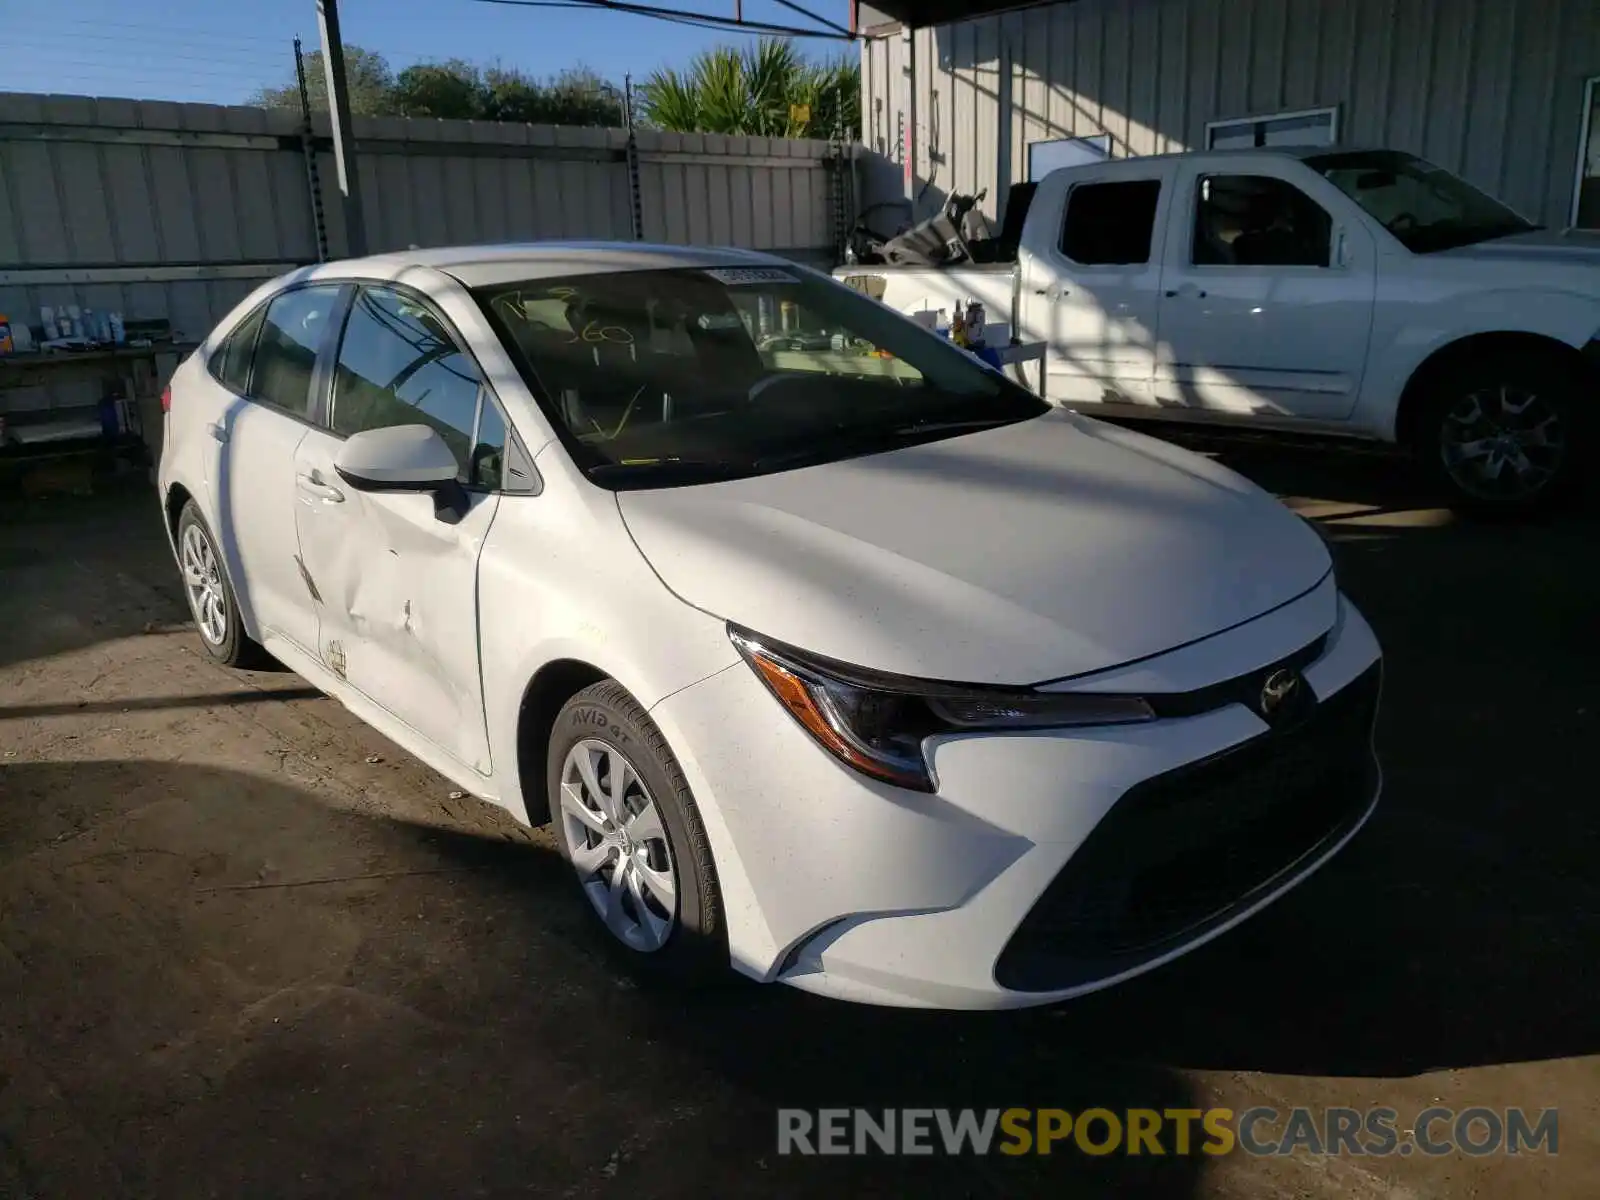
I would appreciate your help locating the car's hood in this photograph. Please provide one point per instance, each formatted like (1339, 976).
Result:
(1048, 548)
(1547, 246)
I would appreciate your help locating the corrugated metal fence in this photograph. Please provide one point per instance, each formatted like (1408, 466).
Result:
(175, 211)
(1490, 88)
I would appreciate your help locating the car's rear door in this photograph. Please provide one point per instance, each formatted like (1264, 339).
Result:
(396, 582)
(254, 422)
(1091, 278)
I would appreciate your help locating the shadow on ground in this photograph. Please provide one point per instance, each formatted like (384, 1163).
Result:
(224, 986)
(78, 570)
(1452, 932)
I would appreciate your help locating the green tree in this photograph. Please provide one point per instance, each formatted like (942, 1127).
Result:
(451, 90)
(370, 81)
(575, 97)
(767, 90)
(458, 90)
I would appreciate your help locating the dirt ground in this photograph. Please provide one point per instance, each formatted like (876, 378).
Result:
(250, 949)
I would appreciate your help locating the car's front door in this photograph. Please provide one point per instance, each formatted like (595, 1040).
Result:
(397, 582)
(1266, 299)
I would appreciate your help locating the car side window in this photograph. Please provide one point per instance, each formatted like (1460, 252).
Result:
(231, 363)
(1258, 221)
(286, 350)
(1111, 224)
(399, 365)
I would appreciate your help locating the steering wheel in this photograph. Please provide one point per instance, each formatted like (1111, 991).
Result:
(767, 382)
(1401, 223)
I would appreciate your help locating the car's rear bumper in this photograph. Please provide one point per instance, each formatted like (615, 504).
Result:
(1047, 864)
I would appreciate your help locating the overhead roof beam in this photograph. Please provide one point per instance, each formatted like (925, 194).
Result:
(703, 20)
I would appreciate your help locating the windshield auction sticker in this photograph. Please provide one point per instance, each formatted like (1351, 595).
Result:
(748, 276)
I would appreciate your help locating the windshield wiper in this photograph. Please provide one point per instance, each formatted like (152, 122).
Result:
(916, 427)
(855, 441)
(666, 470)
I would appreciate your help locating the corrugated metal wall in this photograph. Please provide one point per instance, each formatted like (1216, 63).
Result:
(176, 210)
(1491, 88)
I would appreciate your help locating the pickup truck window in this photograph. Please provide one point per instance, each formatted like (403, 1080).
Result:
(1110, 224)
(680, 376)
(1258, 221)
(1425, 207)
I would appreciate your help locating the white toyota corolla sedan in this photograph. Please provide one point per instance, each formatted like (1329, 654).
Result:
(829, 651)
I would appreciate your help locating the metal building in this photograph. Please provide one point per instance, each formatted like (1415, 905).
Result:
(1507, 92)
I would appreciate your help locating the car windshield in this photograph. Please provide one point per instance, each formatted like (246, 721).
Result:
(667, 377)
(1426, 207)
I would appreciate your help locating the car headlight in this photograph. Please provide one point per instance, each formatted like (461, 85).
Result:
(876, 722)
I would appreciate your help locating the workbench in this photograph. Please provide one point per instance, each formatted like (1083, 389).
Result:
(55, 403)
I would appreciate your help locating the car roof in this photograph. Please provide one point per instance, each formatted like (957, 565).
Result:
(1244, 153)
(477, 266)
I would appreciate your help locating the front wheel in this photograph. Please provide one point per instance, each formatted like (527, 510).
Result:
(1503, 436)
(626, 821)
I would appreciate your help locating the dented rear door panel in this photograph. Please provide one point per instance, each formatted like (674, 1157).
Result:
(395, 590)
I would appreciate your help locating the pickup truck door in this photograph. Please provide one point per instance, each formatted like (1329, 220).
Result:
(1267, 293)
(1091, 278)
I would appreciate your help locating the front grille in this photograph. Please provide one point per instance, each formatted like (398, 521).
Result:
(1183, 852)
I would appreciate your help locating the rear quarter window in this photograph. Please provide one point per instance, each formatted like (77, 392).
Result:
(231, 362)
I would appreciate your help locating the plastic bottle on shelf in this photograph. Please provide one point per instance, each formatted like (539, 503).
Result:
(119, 334)
(975, 322)
(6, 345)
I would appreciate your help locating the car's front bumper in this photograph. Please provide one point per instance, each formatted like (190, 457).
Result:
(1048, 864)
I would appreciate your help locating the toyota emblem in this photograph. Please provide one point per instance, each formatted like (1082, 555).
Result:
(1280, 687)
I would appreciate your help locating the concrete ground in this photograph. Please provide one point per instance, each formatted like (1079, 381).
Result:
(250, 949)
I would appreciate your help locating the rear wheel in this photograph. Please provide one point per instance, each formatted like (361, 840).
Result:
(626, 821)
(1504, 435)
(210, 594)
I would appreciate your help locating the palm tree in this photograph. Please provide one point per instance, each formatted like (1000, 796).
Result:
(767, 90)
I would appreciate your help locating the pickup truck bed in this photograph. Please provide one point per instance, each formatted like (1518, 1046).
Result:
(919, 289)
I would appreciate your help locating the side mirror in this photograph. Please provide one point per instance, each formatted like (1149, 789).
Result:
(404, 458)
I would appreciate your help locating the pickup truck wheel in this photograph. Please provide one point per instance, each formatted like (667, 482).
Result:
(1503, 436)
(625, 820)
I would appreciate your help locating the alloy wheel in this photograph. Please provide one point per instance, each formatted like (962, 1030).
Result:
(615, 840)
(1504, 443)
(202, 578)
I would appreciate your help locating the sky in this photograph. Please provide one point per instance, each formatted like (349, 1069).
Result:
(222, 51)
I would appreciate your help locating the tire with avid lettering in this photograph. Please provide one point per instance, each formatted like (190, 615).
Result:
(624, 818)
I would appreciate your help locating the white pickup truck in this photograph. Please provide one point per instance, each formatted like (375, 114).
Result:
(1363, 293)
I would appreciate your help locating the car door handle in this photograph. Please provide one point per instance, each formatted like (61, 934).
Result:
(1187, 291)
(322, 491)
(218, 430)
(1050, 293)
